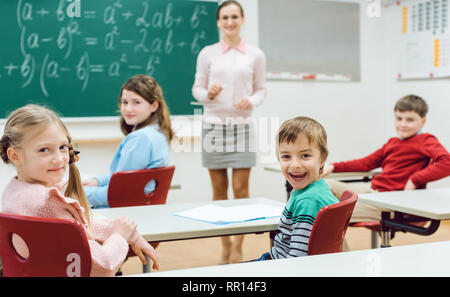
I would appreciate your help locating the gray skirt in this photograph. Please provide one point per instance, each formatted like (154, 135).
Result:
(228, 146)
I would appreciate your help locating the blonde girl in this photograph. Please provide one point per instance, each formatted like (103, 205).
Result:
(37, 143)
(145, 121)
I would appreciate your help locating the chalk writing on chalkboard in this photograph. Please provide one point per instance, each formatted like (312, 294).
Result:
(66, 51)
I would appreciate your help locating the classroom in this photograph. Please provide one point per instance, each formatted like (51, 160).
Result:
(357, 114)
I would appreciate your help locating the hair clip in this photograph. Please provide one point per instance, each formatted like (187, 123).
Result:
(74, 158)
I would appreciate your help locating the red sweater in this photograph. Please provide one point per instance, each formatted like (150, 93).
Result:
(401, 160)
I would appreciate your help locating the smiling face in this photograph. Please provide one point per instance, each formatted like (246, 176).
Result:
(230, 20)
(408, 123)
(300, 162)
(135, 109)
(43, 155)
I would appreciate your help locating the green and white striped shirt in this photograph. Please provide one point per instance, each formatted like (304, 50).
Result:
(298, 218)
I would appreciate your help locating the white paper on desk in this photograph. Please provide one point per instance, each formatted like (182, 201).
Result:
(233, 214)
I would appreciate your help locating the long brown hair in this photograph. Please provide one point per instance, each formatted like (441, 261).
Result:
(32, 116)
(147, 87)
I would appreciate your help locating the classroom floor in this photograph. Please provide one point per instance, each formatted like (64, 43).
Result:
(206, 252)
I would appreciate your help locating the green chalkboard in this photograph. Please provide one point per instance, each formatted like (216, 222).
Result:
(74, 55)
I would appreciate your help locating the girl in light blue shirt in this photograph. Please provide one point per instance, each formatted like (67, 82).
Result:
(145, 120)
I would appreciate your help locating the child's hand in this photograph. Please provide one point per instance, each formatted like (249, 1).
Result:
(125, 227)
(214, 90)
(327, 169)
(410, 185)
(92, 182)
(243, 104)
(142, 247)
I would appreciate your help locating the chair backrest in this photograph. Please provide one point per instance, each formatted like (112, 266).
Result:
(330, 225)
(127, 188)
(56, 247)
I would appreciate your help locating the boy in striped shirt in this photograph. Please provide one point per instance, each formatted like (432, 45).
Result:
(302, 152)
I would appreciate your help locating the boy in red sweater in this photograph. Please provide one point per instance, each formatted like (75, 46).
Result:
(408, 162)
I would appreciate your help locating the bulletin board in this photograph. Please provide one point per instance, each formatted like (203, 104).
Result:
(424, 50)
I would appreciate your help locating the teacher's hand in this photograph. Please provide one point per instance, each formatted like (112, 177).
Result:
(214, 90)
(244, 104)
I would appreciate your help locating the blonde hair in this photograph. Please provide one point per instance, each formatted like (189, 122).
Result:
(147, 87)
(32, 116)
(291, 129)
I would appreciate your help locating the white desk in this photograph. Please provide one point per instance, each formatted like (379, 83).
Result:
(175, 187)
(432, 204)
(429, 259)
(158, 223)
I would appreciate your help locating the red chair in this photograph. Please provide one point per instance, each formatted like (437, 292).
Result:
(126, 188)
(330, 225)
(56, 247)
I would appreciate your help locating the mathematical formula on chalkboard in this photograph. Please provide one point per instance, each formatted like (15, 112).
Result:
(50, 44)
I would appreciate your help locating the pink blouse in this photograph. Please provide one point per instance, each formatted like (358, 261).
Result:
(108, 250)
(241, 72)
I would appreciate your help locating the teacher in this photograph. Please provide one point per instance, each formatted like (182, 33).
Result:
(230, 82)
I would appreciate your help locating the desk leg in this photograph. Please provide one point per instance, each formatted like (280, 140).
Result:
(147, 267)
(385, 230)
(374, 239)
(272, 235)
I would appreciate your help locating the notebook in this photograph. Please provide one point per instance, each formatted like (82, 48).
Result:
(232, 214)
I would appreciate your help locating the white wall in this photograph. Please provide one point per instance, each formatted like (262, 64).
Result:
(435, 92)
(357, 116)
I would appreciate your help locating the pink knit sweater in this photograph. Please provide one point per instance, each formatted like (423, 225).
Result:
(108, 250)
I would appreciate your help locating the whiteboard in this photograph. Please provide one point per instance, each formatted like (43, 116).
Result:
(318, 38)
(424, 50)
